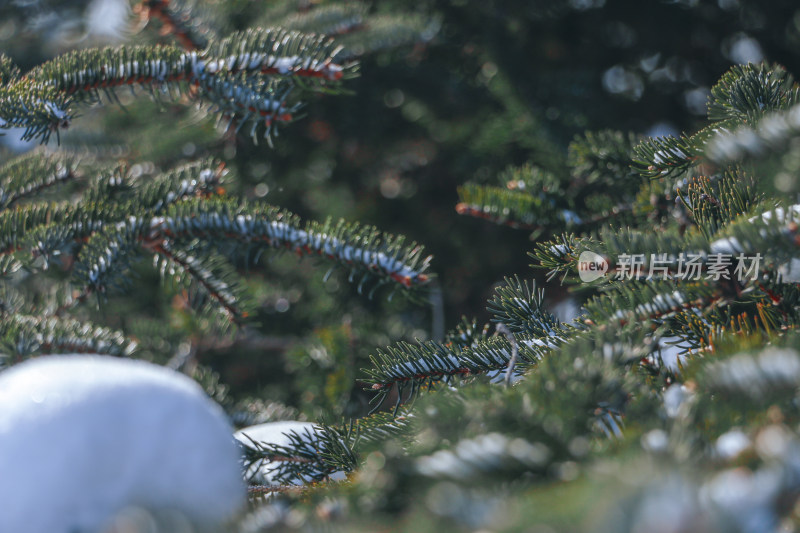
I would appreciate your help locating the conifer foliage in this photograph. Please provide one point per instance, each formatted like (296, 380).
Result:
(182, 219)
(676, 387)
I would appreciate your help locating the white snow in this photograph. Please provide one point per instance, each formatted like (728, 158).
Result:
(285, 64)
(780, 214)
(790, 272)
(446, 362)
(732, 443)
(492, 448)
(677, 399)
(566, 310)
(107, 18)
(276, 433)
(728, 245)
(663, 156)
(772, 130)
(662, 303)
(571, 217)
(273, 432)
(84, 438)
(671, 352)
(655, 440)
(499, 376)
(53, 109)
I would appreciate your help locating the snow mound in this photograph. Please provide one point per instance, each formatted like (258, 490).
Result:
(83, 438)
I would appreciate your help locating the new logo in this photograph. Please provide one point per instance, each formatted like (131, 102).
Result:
(591, 266)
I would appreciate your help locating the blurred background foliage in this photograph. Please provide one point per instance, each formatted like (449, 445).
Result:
(482, 86)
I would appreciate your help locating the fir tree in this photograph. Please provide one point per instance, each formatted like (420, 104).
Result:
(669, 403)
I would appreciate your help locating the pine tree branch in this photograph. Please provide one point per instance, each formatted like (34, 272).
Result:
(305, 458)
(38, 110)
(516, 209)
(267, 490)
(746, 93)
(541, 200)
(690, 302)
(602, 159)
(77, 298)
(665, 157)
(587, 384)
(258, 101)
(418, 366)
(8, 265)
(16, 223)
(211, 273)
(364, 250)
(467, 333)
(198, 179)
(330, 20)
(740, 101)
(179, 20)
(83, 73)
(65, 226)
(748, 383)
(519, 307)
(769, 137)
(769, 236)
(714, 202)
(8, 70)
(315, 454)
(24, 335)
(276, 52)
(31, 174)
(233, 74)
(106, 257)
(174, 217)
(650, 301)
(492, 457)
(382, 32)
(368, 253)
(531, 198)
